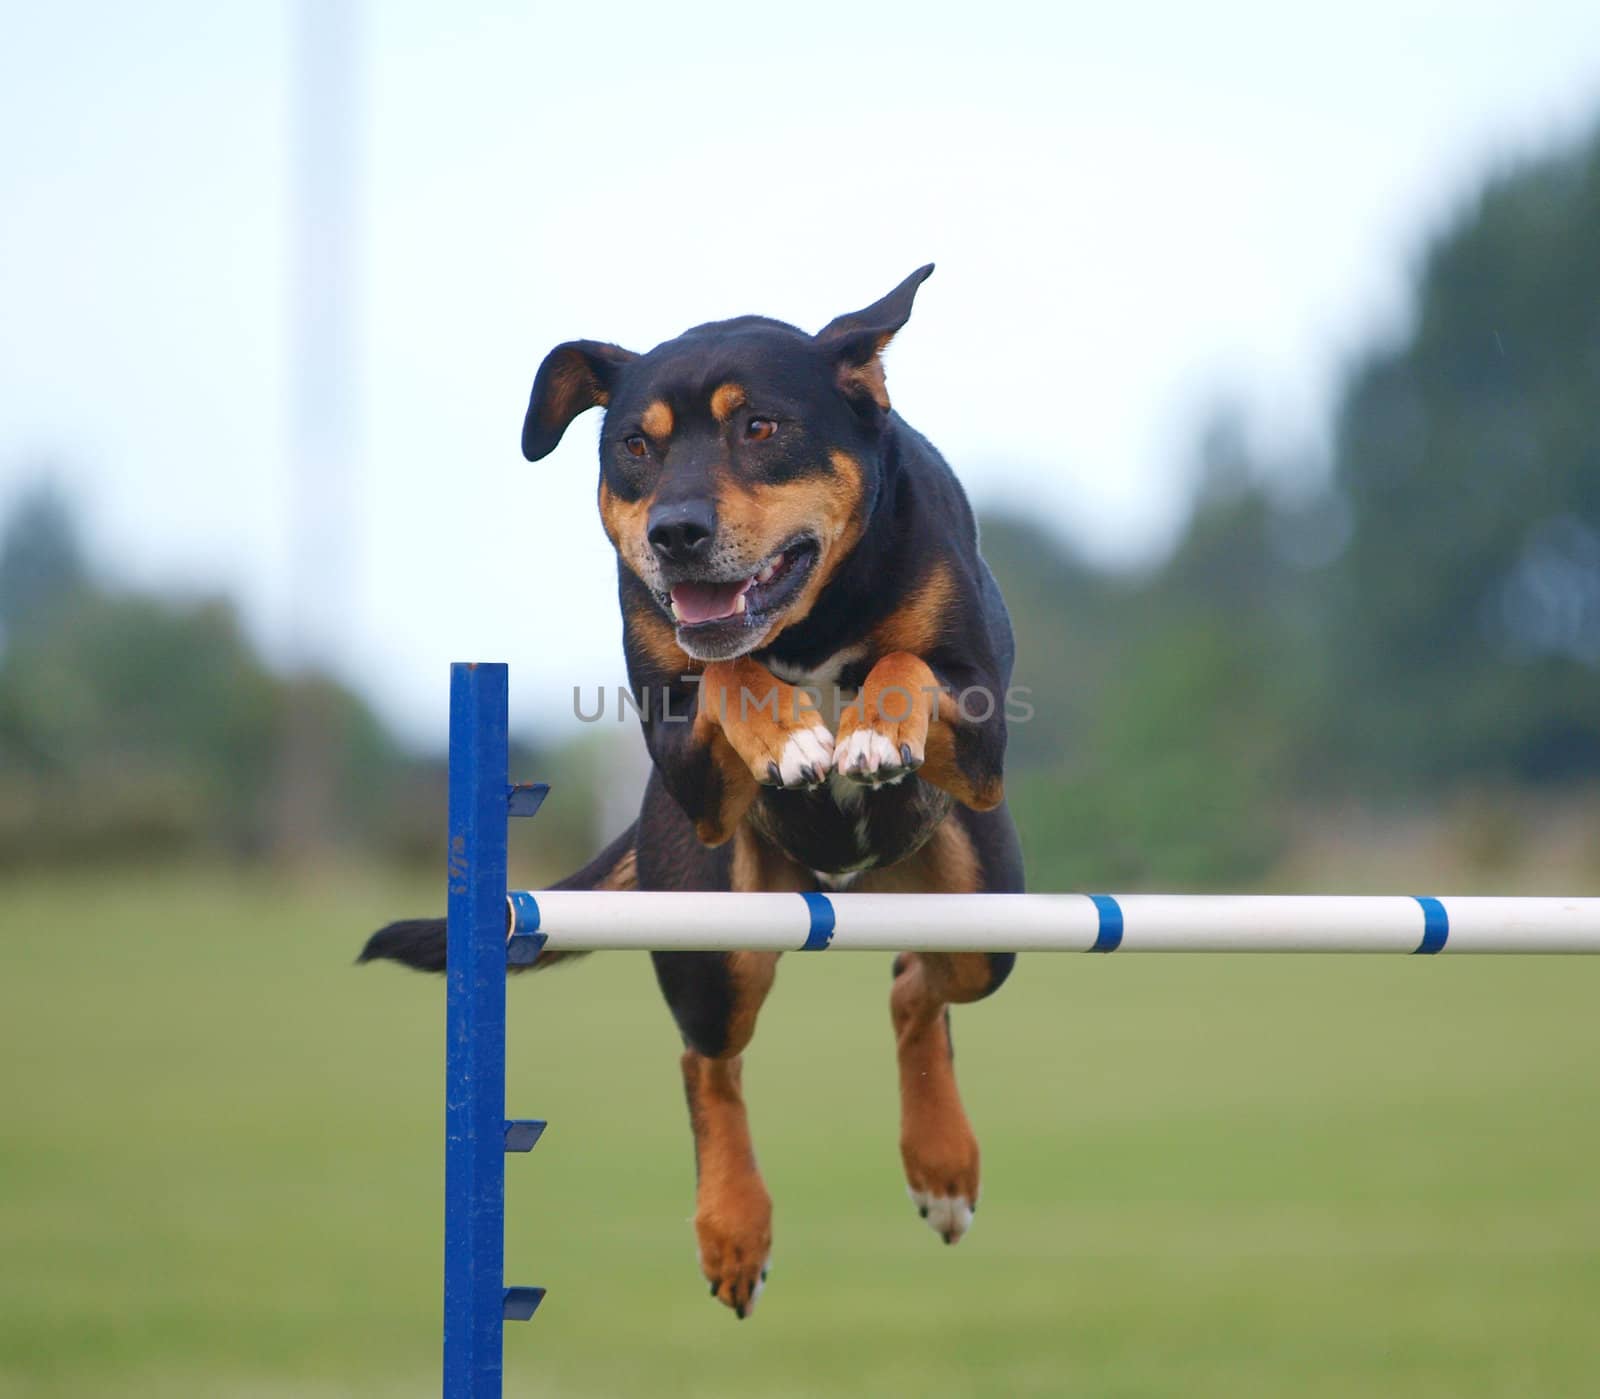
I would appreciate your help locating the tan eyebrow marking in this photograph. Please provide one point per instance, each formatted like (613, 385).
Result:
(725, 400)
(657, 420)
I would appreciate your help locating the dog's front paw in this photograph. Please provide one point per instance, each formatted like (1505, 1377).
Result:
(877, 755)
(803, 761)
(775, 728)
(883, 736)
(779, 754)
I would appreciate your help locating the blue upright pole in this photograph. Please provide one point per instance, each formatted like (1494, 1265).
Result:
(475, 1091)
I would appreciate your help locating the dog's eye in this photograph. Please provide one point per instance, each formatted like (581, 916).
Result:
(636, 445)
(759, 429)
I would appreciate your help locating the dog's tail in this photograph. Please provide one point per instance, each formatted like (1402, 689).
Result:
(420, 942)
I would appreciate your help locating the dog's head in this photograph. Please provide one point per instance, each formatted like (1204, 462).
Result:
(738, 463)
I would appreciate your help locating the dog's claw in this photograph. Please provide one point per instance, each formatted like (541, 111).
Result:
(808, 775)
(773, 775)
(921, 1210)
(739, 1311)
(905, 755)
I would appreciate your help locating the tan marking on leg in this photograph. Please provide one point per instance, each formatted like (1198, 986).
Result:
(752, 974)
(737, 787)
(903, 704)
(733, 1211)
(938, 1147)
(657, 420)
(884, 734)
(773, 726)
(726, 400)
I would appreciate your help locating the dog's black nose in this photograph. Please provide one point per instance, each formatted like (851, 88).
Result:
(681, 532)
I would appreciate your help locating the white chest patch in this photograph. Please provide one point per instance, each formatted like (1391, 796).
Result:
(835, 883)
(848, 797)
(823, 680)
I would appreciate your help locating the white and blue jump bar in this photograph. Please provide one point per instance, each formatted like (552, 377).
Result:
(582, 921)
(490, 929)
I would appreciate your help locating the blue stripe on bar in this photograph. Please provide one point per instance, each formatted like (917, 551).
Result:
(525, 912)
(1109, 938)
(821, 934)
(526, 941)
(1435, 925)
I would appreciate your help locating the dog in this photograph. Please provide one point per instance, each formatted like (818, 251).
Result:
(821, 657)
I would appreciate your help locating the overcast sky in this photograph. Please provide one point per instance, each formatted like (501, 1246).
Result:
(1135, 211)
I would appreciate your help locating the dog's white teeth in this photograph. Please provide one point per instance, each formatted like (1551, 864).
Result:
(677, 616)
(739, 604)
(767, 570)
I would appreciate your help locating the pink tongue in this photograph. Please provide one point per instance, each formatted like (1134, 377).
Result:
(706, 602)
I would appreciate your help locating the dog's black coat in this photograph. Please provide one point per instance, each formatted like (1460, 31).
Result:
(914, 518)
(777, 523)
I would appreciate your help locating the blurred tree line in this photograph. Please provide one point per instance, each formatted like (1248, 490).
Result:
(136, 726)
(1416, 620)
(1417, 617)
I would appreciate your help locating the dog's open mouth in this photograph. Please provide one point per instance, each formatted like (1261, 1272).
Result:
(719, 605)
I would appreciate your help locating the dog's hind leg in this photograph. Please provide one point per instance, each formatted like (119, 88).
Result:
(970, 852)
(715, 998)
(937, 1145)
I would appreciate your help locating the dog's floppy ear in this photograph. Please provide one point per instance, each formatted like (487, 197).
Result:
(858, 339)
(573, 377)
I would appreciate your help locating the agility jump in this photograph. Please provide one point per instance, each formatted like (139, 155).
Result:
(585, 921)
(491, 928)
(822, 664)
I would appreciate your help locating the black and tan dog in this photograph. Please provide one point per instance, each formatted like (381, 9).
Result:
(822, 659)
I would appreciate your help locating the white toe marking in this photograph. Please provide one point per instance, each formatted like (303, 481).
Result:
(851, 752)
(761, 1283)
(867, 752)
(811, 748)
(949, 1216)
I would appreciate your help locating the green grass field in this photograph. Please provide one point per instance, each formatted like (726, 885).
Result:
(221, 1162)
